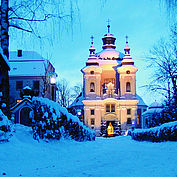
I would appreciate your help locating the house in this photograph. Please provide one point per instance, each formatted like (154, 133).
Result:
(149, 116)
(4, 80)
(28, 68)
(109, 95)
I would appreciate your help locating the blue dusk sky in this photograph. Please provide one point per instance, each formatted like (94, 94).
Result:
(145, 22)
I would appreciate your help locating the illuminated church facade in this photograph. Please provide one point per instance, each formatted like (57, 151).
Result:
(109, 89)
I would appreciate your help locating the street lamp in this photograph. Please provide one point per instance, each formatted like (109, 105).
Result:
(52, 77)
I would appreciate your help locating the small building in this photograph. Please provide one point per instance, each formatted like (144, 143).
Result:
(28, 68)
(4, 80)
(154, 110)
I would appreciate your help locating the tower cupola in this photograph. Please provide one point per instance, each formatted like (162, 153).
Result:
(92, 49)
(108, 40)
(127, 59)
(92, 59)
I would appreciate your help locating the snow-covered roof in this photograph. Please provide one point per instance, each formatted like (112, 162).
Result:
(155, 105)
(27, 87)
(112, 62)
(141, 101)
(30, 68)
(153, 111)
(77, 101)
(109, 54)
(26, 55)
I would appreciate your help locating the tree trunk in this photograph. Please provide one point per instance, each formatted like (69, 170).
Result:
(4, 27)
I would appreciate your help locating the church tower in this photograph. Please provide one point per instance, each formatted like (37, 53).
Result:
(109, 94)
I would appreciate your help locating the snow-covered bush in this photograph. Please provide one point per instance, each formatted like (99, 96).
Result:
(51, 121)
(5, 127)
(165, 132)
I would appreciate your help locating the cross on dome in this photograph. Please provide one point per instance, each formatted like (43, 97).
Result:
(126, 39)
(92, 39)
(108, 25)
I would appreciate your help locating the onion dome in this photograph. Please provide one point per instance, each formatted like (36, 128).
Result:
(109, 52)
(127, 59)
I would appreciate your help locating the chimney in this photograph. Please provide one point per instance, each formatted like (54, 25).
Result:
(19, 53)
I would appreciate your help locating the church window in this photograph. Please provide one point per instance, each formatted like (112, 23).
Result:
(113, 108)
(129, 121)
(110, 108)
(92, 122)
(128, 111)
(92, 87)
(128, 87)
(107, 108)
(19, 85)
(92, 112)
(91, 72)
(128, 72)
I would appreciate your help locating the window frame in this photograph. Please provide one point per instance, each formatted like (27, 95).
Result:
(19, 85)
(110, 108)
(36, 81)
(128, 87)
(92, 121)
(92, 83)
(129, 121)
(92, 112)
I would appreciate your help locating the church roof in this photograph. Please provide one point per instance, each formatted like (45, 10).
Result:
(109, 54)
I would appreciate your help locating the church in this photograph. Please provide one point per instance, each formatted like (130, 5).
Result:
(109, 100)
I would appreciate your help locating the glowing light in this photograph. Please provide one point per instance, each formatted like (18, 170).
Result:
(53, 80)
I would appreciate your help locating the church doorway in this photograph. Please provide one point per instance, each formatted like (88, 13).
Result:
(110, 128)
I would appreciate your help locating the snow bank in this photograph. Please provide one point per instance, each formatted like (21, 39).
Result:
(5, 127)
(165, 132)
(51, 121)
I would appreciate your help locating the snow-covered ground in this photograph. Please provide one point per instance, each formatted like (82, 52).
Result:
(105, 157)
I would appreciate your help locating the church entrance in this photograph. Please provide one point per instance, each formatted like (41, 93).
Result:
(110, 128)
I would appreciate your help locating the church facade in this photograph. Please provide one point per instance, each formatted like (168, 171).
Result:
(109, 89)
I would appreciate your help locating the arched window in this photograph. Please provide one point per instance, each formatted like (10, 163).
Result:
(91, 72)
(128, 87)
(92, 87)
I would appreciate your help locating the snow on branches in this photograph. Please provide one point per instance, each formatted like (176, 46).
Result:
(51, 121)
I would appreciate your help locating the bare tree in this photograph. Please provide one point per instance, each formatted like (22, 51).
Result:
(63, 93)
(163, 59)
(76, 90)
(30, 15)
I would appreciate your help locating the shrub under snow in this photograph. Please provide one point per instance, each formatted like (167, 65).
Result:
(51, 121)
(165, 132)
(5, 127)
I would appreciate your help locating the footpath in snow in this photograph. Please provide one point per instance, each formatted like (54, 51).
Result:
(105, 157)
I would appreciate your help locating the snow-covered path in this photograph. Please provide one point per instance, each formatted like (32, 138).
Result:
(105, 157)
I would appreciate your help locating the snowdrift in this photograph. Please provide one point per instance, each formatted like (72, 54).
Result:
(51, 121)
(165, 132)
(5, 127)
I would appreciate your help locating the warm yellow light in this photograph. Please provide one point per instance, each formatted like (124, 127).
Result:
(18, 101)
